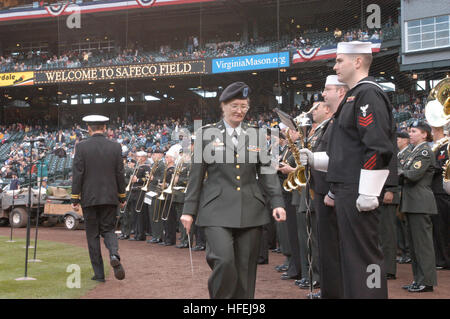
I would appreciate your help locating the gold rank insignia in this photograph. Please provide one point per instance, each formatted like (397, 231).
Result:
(418, 164)
(350, 99)
(253, 148)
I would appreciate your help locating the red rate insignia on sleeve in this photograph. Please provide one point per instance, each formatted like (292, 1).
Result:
(365, 120)
(371, 162)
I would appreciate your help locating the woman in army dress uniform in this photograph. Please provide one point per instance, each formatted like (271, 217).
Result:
(418, 204)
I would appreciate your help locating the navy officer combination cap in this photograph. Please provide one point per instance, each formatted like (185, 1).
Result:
(236, 90)
(95, 119)
(421, 125)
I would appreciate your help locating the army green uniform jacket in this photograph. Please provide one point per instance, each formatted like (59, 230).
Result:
(230, 196)
(418, 171)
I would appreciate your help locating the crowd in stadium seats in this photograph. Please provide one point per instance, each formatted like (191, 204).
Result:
(36, 60)
(134, 134)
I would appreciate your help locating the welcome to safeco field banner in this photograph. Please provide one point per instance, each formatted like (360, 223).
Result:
(121, 72)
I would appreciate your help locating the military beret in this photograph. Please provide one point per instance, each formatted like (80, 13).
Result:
(236, 90)
(421, 125)
(403, 134)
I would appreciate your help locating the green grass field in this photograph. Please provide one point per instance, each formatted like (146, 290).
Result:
(51, 273)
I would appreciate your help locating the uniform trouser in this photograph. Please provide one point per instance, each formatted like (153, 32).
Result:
(156, 223)
(423, 261)
(200, 237)
(264, 246)
(303, 246)
(183, 235)
(294, 269)
(170, 225)
(441, 230)
(282, 238)
(402, 236)
(388, 237)
(362, 264)
(125, 223)
(100, 221)
(133, 217)
(272, 234)
(232, 255)
(331, 286)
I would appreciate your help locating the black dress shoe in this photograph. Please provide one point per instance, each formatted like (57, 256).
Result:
(182, 245)
(276, 250)
(98, 279)
(154, 240)
(305, 285)
(405, 260)
(317, 295)
(119, 272)
(198, 248)
(285, 276)
(390, 276)
(300, 281)
(420, 288)
(406, 287)
(281, 268)
(168, 244)
(262, 261)
(162, 243)
(123, 237)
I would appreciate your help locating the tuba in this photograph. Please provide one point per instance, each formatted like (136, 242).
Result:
(437, 113)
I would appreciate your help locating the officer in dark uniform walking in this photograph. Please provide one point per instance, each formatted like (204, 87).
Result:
(137, 196)
(229, 203)
(360, 148)
(418, 204)
(98, 185)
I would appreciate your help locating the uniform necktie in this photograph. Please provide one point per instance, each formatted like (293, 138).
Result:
(234, 138)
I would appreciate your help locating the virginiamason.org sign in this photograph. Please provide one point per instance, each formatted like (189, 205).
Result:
(251, 62)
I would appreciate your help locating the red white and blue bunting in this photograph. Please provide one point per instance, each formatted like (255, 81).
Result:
(67, 7)
(323, 53)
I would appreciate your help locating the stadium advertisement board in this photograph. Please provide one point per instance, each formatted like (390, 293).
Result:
(106, 73)
(251, 62)
(16, 79)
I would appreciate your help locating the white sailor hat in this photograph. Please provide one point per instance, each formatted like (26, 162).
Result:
(141, 154)
(95, 119)
(354, 47)
(174, 151)
(282, 126)
(333, 80)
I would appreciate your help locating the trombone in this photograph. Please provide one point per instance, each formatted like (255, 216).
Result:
(170, 188)
(129, 187)
(144, 190)
(156, 217)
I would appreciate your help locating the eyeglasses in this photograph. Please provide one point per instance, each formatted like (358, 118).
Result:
(243, 107)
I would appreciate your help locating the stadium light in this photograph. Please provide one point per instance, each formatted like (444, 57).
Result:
(151, 98)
